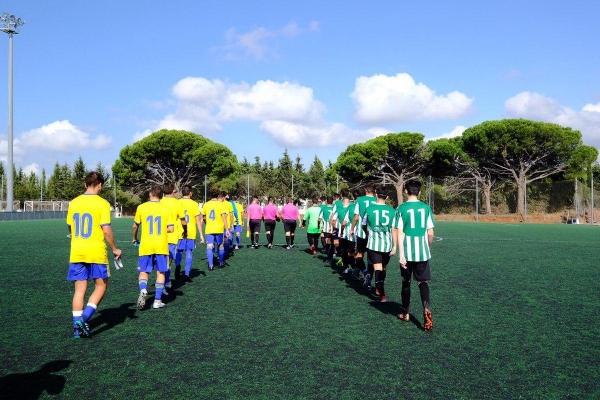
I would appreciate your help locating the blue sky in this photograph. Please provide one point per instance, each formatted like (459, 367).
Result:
(311, 76)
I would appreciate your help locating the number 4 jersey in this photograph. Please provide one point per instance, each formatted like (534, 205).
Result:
(380, 219)
(414, 218)
(153, 219)
(86, 216)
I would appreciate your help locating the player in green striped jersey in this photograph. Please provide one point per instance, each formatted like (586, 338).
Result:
(312, 220)
(379, 221)
(345, 241)
(362, 203)
(327, 229)
(337, 202)
(415, 236)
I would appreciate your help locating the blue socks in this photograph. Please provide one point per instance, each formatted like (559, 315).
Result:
(221, 256)
(188, 262)
(209, 256)
(88, 311)
(143, 284)
(159, 290)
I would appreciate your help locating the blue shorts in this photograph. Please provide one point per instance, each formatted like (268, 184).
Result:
(172, 250)
(186, 244)
(148, 263)
(237, 229)
(85, 271)
(216, 238)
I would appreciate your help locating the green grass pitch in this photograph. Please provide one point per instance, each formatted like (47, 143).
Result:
(516, 311)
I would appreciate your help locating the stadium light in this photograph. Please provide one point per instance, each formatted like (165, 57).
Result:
(11, 27)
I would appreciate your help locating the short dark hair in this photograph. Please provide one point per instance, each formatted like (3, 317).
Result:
(323, 198)
(214, 193)
(156, 191)
(168, 188)
(369, 188)
(329, 200)
(314, 201)
(382, 191)
(186, 190)
(270, 199)
(234, 197)
(345, 193)
(413, 187)
(93, 179)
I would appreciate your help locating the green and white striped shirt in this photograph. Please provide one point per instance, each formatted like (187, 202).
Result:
(360, 209)
(414, 218)
(380, 219)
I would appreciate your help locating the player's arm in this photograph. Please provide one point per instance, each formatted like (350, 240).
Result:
(430, 237)
(110, 239)
(225, 223)
(400, 243)
(199, 225)
(394, 241)
(231, 219)
(134, 230)
(170, 228)
(354, 221)
(185, 228)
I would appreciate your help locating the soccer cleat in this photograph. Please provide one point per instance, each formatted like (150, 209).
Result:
(211, 268)
(269, 246)
(158, 304)
(348, 270)
(76, 333)
(404, 317)
(376, 292)
(428, 326)
(340, 262)
(256, 246)
(168, 285)
(382, 299)
(288, 247)
(84, 328)
(237, 247)
(187, 279)
(367, 282)
(142, 299)
(165, 292)
(314, 252)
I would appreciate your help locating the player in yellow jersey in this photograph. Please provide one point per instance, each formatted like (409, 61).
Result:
(238, 222)
(155, 221)
(88, 220)
(180, 229)
(216, 223)
(228, 206)
(187, 245)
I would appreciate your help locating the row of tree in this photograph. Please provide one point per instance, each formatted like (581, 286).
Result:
(492, 153)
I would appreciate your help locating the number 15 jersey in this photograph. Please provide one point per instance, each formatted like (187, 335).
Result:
(380, 219)
(414, 218)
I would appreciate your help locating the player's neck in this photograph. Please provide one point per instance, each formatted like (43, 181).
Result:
(412, 197)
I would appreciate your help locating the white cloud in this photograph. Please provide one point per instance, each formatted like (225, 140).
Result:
(32, 168)
(64, 137)
(140, 135)
(541, 108)
(457, 131)
(17, 150)
(382, 99)
(289, 134)
(258, 43)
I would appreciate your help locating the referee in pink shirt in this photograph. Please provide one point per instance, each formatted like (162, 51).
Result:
(269, 214)
(253, 220)
(289, 214)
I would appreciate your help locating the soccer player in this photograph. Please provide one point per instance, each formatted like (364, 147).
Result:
(361, 238)
(253, 220)
(337, 202)
(156, 221)
(415, 237)
(230, 220)
(216, 223)
(312, 218)
(269, 214)
(238, 222)
(380, 222)
(327, 228)
(180, 228)
(88, 221)
(344, 240)
(289, 214)
(323, 204)
(187, 245)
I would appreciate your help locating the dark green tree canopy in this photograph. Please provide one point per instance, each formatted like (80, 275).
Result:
(178, 156)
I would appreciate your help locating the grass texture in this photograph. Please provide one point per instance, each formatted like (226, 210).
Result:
(516, 311)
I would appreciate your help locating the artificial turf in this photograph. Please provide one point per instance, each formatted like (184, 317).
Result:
(516, 314)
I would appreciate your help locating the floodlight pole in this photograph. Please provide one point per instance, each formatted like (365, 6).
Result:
(11, 27)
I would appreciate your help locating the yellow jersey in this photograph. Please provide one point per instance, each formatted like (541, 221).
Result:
(153, 219)
(191, 211)
(86, 216)
(213, 210)
(176, 215)
(240, 213)
(228, 207)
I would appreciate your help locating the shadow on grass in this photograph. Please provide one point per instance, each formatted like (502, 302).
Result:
(108, 318)
(32, 385)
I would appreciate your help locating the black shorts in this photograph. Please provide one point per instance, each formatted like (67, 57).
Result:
(270, 225)
(289, 225)
(255, 225)
(326, 235)
(419, 269)
(347, 245)
(335, 233)
(378, 257)
(361, 245)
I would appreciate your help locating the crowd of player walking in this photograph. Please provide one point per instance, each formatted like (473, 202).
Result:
(166, 230)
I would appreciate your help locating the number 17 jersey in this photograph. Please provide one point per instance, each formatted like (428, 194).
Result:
(414, 218)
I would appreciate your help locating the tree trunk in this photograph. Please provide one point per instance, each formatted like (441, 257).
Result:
(521, 193)
(399, 186)
(487, 191)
